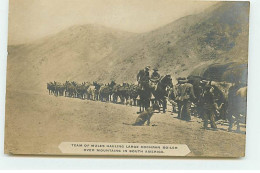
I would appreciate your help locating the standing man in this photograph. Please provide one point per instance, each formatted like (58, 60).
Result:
(208, 107)
(185, 95)
(236, 106)
(179, 97)
(172, 98)
(143, 77)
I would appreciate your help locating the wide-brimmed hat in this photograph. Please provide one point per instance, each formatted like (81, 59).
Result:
(181, 78)
(182, 81)
(204, 82)
(147, 67)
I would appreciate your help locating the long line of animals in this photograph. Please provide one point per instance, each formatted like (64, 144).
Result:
(137, 95)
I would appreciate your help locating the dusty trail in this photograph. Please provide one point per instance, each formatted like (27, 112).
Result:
(38, 123)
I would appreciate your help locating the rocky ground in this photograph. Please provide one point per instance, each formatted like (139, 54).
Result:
(37, 123)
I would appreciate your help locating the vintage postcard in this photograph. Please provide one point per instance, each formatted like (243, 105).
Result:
(127, 78)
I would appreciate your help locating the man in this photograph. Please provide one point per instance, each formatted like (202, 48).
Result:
(155, 78)
(143, 77)
(208, 107)
(200, 103)
(236, 105)
(178, 95)
(184, 97)
(172, 98)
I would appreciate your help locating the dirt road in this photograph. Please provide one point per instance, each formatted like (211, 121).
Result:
(38, 123)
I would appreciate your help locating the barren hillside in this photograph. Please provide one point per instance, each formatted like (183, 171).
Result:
(92, 52)
(67, 55)
(220, 34)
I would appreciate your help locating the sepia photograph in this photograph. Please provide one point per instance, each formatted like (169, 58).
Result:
(127, 78)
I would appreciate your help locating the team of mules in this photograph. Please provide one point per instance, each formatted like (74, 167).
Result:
(229, 97)
(125, 93)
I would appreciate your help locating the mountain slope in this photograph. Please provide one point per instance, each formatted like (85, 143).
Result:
(220, 34)
(64, 56)
(91, 52)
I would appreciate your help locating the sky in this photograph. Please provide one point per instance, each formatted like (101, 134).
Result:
(33, 19)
